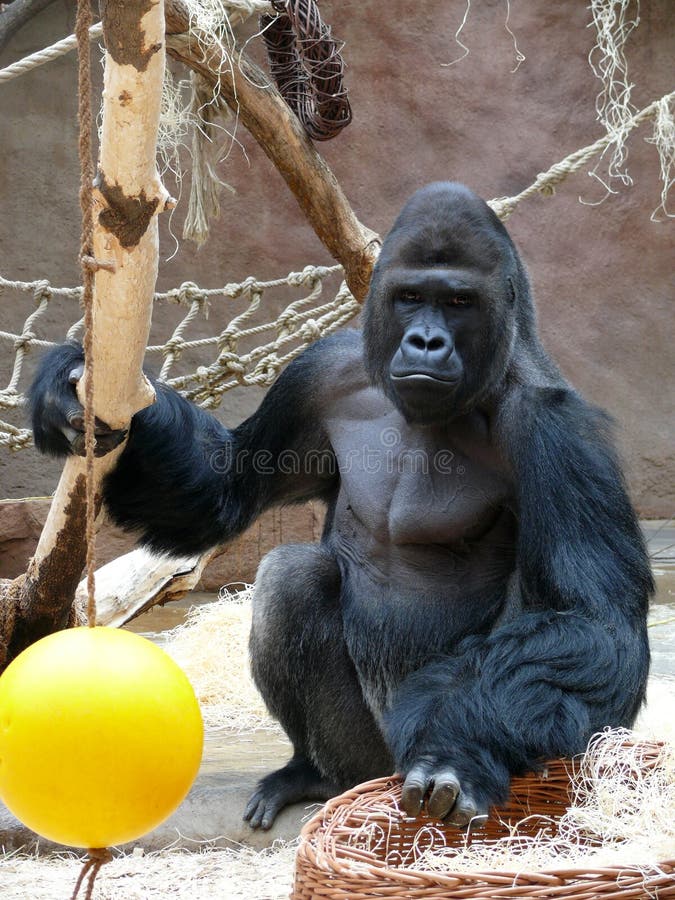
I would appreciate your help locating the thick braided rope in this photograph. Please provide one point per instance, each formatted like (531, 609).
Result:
(97, 856)
(88, 265)
(35, 60)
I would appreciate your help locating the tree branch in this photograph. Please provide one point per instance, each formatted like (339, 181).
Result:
(15, 16)
(267, 117)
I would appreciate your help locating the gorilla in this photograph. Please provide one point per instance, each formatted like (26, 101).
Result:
(477, 602)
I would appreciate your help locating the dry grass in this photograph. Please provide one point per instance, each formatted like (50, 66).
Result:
(242, 874)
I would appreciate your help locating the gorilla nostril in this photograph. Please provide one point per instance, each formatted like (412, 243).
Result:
(417, 341)
(436, 343)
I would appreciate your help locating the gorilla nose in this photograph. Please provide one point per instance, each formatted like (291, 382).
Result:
(433, 346)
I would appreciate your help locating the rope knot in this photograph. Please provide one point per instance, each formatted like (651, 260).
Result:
(232, 290)
(250, 287)
(310, 275)
(287, 320)
(96, 858)
(174, 346)
(42, 291)
(310, 331)
(227, 342)
(24, 341)
(91, 264)
(230, 362)
(189, 293)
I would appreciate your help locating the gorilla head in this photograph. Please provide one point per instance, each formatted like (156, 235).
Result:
(447, 298)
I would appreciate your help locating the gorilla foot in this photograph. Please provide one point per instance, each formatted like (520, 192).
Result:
(298, 780)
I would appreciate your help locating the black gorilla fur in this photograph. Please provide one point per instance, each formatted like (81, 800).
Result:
(478, 599)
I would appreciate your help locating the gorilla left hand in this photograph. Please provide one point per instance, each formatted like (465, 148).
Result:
(449, 799)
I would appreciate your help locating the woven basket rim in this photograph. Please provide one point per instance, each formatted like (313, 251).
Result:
(535, 879)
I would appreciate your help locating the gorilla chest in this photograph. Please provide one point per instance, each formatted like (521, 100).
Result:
(408, 485)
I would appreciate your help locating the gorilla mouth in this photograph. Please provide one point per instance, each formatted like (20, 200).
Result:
(421, 378)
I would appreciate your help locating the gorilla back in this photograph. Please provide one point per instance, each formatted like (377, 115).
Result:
(478, 599)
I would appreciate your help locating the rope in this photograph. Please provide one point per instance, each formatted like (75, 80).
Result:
(546, 182)
(95, 860)
(300, 323)
(39, 58)
(88, 265)
(235, 11)
(97, 856)
(307, 67)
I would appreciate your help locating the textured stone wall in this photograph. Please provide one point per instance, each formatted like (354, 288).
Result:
(602, 274)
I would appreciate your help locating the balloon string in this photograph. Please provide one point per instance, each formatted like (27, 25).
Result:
(96, 858)
(89, 266)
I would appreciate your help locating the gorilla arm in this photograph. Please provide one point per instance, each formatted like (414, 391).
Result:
(184, 481)
(573, 659)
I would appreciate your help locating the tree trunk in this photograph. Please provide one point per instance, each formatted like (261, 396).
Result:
(128, 197)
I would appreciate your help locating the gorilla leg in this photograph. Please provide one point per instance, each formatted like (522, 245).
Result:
(302, 668)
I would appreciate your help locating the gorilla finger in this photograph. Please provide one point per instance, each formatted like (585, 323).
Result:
(444, 794)
(107, 442)
(75, 417)
(415, 788)
(103, 443)
(467, 813)
(75, 374)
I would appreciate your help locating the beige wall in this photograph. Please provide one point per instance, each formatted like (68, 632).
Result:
(602, 274)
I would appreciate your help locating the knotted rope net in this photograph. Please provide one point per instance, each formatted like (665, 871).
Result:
(231, 357)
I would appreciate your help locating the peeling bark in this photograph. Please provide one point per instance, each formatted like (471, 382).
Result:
(124, 35)
(127, 218)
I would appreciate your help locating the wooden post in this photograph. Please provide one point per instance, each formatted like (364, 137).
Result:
(128, 197)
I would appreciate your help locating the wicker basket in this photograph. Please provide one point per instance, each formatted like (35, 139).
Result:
(330, 848)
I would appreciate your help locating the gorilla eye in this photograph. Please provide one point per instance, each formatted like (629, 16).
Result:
(409, 297)
(460, 300)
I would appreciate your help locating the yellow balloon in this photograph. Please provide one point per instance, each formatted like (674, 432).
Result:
(100, 736)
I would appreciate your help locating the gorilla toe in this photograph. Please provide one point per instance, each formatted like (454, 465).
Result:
(298, 780)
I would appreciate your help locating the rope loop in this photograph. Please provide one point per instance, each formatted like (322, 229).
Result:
(307, 66)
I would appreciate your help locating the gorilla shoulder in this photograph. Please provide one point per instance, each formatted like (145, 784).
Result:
(336, 363)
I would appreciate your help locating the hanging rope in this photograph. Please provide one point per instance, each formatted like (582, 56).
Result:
(307, 67)
(97, 856)
(88, 266)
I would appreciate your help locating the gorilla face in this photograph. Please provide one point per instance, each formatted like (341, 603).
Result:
(440, 317)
